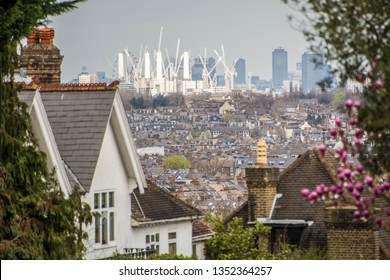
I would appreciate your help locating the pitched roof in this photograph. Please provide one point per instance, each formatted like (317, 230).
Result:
(156, 204)
(309, 170)
(200, 228)
(79, 121)
(27, 97)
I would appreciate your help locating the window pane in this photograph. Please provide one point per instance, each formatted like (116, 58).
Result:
(104, 200)
(172, 235)
(147, 239)
(152, 238)
(97, 229)
(157, 237)
(172, 248)
(104, 228)
(112, 226)
(111, 199)
(158, 249)
(96, 200)
(194, 249)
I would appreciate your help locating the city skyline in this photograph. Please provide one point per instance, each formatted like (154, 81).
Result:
(248, 29)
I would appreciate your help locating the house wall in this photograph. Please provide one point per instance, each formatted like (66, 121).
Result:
(110, 175)
(183, 231)
(350, 239)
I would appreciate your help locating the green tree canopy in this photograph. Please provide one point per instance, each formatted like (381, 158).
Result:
(176, 162)
(233, 242)
(36, 220)
(338, 101)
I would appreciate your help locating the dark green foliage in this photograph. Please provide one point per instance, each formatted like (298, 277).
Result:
(138, 102)
(354, 36)
(160, 101)
(36, 220)
(233, 242)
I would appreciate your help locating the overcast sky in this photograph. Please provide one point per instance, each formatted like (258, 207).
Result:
(249, 29)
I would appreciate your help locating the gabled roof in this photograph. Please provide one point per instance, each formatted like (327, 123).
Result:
(79, 121)
(46, 141)
(156, 205)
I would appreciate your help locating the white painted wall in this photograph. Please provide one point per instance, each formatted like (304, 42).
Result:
(183, 231)
(110, 175)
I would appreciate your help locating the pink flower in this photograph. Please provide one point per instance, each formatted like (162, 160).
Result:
(333, 132)
(322, 148)
(356, 142)
(356, 214)
(378, 84)
(305, 192)
(357, 104)
(368, 180)
(348, 104)
(359, 187)
(359, 168)
(338, 122)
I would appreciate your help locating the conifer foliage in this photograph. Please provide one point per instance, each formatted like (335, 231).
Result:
(36, 220)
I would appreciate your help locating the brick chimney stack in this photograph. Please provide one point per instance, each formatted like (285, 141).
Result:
(350, 239)
(41, 58)
(261, 181)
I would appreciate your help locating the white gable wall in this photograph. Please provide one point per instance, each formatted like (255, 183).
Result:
(183, 231)
(110, 175)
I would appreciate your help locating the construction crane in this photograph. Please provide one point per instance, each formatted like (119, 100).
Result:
(230, 72)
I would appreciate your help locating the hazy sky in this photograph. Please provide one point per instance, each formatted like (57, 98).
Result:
(248, 29)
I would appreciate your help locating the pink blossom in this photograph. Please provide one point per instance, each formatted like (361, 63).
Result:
(348, 104)
(357, 104)
(322, 148)
(368, 180)
(378, 84)
(338, 122)
(305, 192)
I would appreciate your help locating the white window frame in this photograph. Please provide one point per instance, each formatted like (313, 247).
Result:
(104, 221)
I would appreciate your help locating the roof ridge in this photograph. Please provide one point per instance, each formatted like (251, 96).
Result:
(71, 87)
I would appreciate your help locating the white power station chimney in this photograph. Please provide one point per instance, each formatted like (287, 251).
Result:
(147, 65)
(121, 69)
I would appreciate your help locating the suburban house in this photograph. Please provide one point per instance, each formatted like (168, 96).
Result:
(275, 201)
(162, 223)
(87, 127)
(84, 132)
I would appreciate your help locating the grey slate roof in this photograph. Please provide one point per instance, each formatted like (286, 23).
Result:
(27, 97)
(156, 204)
(79, 121)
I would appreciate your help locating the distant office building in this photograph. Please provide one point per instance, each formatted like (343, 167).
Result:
(313, 71)
(197, 68)
(254, 79)
(240, 78)
(101, 76)
(86, 78)
(220, 80)
(279, 68)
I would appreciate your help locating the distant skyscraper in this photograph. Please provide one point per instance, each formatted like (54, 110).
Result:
(197, 68)
(279, 67)
(240, 79)
(313, 71)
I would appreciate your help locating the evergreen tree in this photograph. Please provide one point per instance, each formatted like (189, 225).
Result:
(36, 220)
